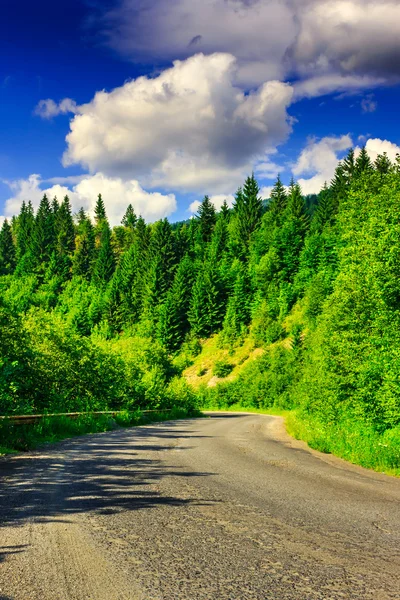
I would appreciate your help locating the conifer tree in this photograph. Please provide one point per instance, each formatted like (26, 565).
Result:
(174, 322)
(247, 212)
(363, 163)
(65, 230)
(207, 303)
(225, 212)
(349, 166)
(24, 228)
(43, 235)
(324, 212)
(7, 250)
(238, 308)
(382, 164)
(278, 201)
(207, 219)
(105, 260)
(84, 254)
(55, 206)
(161, 264)
(100, 210)
(129, 219)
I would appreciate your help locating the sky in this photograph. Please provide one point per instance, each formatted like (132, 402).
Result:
(159, 102)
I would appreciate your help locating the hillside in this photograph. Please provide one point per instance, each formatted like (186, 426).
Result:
(294, 305)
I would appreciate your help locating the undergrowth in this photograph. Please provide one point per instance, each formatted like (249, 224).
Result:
(16, 437)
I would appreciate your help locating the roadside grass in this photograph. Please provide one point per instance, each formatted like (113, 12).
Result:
(351, 440)
(16, 437)
(275, 412)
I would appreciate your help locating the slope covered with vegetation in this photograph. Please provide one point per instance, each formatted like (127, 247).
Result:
(299, 297)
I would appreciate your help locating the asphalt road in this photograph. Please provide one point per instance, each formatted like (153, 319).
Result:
(227, 507)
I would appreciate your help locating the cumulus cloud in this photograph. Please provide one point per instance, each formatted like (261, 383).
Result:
(270, 38)
(217, 200)
(256, 32)
(319, 159)
(376, 146)
(190, 128)
(117, 194)
(47, 109)
(348, 36)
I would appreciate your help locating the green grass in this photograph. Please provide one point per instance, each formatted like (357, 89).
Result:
(17, 438)
(275, 412)
(351, 440)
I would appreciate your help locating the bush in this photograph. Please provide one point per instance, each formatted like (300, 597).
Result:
(222, 369)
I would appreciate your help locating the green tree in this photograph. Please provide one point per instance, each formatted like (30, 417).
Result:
(43, 239)
(84, 253)
(7, 250)
(207, 219)
(174, 322)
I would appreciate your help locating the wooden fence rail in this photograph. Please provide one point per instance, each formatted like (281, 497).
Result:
(27, 419)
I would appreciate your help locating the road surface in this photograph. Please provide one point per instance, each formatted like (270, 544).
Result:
(228, 507)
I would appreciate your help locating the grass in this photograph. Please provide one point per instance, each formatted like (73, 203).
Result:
(275, 412)
(202, 369)
(17, 438)
(351, 440)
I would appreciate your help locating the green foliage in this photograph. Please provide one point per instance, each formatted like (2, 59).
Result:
(90, 317)
(222, 368)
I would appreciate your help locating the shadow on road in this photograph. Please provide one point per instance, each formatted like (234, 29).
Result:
(103, 473)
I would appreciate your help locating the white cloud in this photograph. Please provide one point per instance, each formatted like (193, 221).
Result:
(376, 146)
(319, 159)
(190, 128)
(320, 85)
(358, 37)
(117, 195)
(47, 109)
(217, 200)
(270, 38)
(255, 31)
(368, 104)
(265, 191)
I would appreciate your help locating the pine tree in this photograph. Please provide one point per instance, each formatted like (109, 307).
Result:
(104, 265)
(84, 254)
(278, 201)
(363, 163)
(129, 219)
(382, 164)
(207, 219)
(161, 264)
(238, 308)
(247, 212)
(207, 303)
(55, 206)
(324, 212)
(349, 166)
(7, 250)
(43, 237)
(174, 322)
(100, 211)
(225, 212)
(24, 228)
(65, 230)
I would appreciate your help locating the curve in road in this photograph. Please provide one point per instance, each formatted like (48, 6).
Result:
(227, 507)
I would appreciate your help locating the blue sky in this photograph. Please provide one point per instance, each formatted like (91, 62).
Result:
(272, 86)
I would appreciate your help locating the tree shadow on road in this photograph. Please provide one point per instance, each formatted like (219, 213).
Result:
(102, 473)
